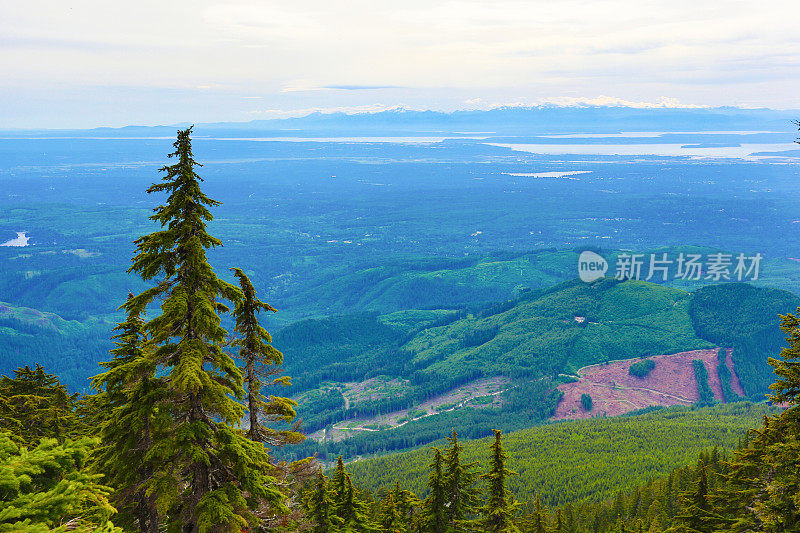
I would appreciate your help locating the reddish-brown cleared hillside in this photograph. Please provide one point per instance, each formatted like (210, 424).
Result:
(615, 392)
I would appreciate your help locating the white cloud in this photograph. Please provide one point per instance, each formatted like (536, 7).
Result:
(610, 101)
(703, 52)
(301, 87)
(349, 110)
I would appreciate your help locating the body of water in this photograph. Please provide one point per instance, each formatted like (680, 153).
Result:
(20, 241)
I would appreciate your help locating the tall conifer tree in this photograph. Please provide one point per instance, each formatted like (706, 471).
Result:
(320, 507)
(129, 392)
(463, 497)
(764, 481)
(569, 519)
(498, 512)
(35, 405)
(353, 511)
(346, 504)
(339, 483)
(407, 507)
(209, 475)
(558, 526)
(390, 518)
(435, 512)
(699, 516)
(261, 361)
(539, 519)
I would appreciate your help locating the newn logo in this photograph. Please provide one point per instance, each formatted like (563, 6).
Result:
(591, 266)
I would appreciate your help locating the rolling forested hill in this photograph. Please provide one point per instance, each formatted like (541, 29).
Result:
(469, 343)
(418, 371)
(28, 335)
(370, 383)
(572, 461)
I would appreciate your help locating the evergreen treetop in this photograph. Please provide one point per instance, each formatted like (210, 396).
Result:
(763, 483)
(390, 518)
(129, 397)
(500, 507)
(206, 473)
(407, 507)
(353, 511)
(698, 516)
(434, 506)
(462, 494)
(35, 405)
(261, 361)
(320, 508)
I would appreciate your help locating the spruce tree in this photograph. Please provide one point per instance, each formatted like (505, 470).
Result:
(129, 393)
(655, 525)
(653, 511)
(498, 511)
(390, 518)
(35, 405)
(208, 474)
(463, 497)
(407, 507)
(763, 482)
(699, 515)
(744, 485)
(569, 519)
(539, 518)
(346, 510)
(558, 526)
(618, 507)
(320, 508)
(634, 502)
(669, 497)
(261, 361)
(435, 513)
(353, 511)
(339, 484)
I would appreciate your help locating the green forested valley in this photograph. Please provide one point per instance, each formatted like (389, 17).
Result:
(420, 394)
(575, 461)
(534, 342)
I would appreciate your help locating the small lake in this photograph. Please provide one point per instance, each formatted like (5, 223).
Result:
(744, 151)
(20, 241)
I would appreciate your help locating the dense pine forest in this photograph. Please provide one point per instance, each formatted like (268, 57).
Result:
(190, 426)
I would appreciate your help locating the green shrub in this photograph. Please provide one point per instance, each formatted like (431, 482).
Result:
(483, 400)
(416, 413)
(641, 368)
(586, 402)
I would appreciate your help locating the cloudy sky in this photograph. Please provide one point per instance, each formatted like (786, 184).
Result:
(88, 63)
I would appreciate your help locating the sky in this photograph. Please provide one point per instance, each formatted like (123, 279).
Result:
(87, 63)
